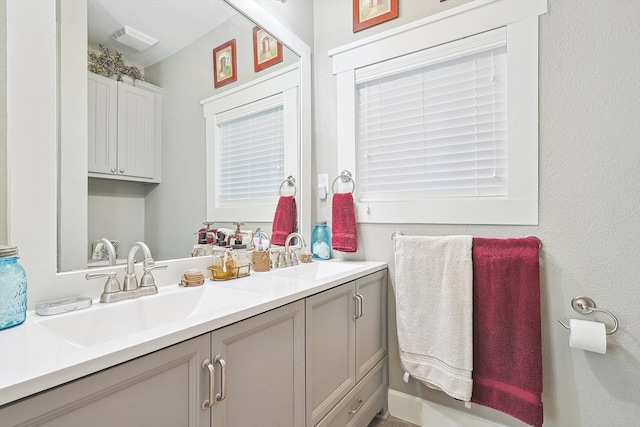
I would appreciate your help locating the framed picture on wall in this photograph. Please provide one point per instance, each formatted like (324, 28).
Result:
(367, 13)
(224, 64)
(267, 50)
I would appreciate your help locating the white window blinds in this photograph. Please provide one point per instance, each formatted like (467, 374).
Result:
(250, 157)
(433, 124)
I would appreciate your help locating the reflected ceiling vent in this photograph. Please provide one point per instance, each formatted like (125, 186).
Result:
(133, 38)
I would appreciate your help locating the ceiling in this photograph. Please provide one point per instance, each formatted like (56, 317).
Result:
(174, 23)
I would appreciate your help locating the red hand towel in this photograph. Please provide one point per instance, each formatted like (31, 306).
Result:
(285, 220)
(343, 221)
(507, 349)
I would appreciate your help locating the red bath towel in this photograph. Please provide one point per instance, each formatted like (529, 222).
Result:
(343, 222)
(507, 348)
(285, 220)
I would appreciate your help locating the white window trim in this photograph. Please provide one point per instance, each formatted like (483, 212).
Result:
(520, 17)
(245, 98)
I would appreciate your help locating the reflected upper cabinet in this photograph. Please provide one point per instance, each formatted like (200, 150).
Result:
(124, 130)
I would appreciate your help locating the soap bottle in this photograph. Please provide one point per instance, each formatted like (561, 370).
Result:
(321, 241)
(13, 288)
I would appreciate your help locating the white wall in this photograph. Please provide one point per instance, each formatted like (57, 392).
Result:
(3, 122)
(589, 199)
(116, 211)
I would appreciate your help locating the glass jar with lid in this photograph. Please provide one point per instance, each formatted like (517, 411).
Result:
(13, 288)
(321, 241)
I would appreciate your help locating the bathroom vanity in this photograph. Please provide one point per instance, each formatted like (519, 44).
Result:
(299, 346)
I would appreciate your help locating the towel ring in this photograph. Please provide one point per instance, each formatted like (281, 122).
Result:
(291, 182)
(585, 305)
(345, 176)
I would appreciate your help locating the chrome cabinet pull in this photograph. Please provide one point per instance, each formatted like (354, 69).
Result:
(357, 408)
(223, 377)
(359, 306)
(208, 403)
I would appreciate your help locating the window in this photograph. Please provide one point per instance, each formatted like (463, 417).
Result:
(438, 127)
(252, 146)
(439, 120)
(250, 154)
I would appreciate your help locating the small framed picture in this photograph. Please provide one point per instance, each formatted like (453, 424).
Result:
(224, 64)
(267, 50)
(367, 13)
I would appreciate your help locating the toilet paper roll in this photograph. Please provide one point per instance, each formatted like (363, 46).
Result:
(587, 335)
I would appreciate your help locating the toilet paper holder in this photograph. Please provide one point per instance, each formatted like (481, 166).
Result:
(585, 305)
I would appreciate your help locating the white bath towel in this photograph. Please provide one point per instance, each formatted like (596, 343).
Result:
(434, 311)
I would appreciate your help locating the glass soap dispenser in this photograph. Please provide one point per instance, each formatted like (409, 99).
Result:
(13, 288)
(321, 241)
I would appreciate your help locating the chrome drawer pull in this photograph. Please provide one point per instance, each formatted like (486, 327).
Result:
(359, 300)
(223, 377)
(208, 403)
(357, 408)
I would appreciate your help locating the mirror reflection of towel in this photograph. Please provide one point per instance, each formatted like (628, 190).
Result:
(343, 222)
(285, 220)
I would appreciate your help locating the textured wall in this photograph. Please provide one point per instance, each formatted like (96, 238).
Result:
(589, 198)
(3, 122)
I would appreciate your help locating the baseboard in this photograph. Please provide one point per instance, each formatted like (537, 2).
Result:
(428, 414)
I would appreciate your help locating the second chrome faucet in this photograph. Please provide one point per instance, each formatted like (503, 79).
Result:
(130, 289)
(288, 257)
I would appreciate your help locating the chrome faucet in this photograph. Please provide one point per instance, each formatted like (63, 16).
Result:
(130, 289)
(104, 242)
(147, 283)
(290, 257)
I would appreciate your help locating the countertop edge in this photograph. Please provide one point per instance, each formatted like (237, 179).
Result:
(105, 358)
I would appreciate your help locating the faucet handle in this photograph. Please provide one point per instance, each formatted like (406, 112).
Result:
(147, 278)
(293, 258)
(112, 284)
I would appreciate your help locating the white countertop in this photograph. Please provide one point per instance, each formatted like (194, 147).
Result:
(33, 359)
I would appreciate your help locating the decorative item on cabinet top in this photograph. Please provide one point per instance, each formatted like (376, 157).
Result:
(110, 64)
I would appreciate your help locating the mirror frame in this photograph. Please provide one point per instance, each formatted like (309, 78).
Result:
(32, 192)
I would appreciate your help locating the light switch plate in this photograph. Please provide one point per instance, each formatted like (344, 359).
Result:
(323, 182)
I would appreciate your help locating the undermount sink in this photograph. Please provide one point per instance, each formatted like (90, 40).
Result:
(106, 322)
(315, 270)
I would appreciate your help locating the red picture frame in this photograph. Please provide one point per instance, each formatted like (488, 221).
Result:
(224, 64)
(267, 50)
(367, 13)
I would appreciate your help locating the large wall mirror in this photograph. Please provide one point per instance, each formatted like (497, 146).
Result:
(35, 207)
(165, 214)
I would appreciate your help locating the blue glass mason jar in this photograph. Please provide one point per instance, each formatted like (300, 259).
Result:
(321, 241)
(13, 288)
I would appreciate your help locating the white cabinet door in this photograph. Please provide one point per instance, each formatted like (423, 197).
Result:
(136, 131)
(330, 349)
(103, 124)
(371, 325)
(263, 359)
(123, 130)
(346, 339)
(160, 389)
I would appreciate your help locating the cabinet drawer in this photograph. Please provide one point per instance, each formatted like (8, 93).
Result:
(366, 399)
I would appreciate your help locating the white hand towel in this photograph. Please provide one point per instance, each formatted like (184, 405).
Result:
(434, 311)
